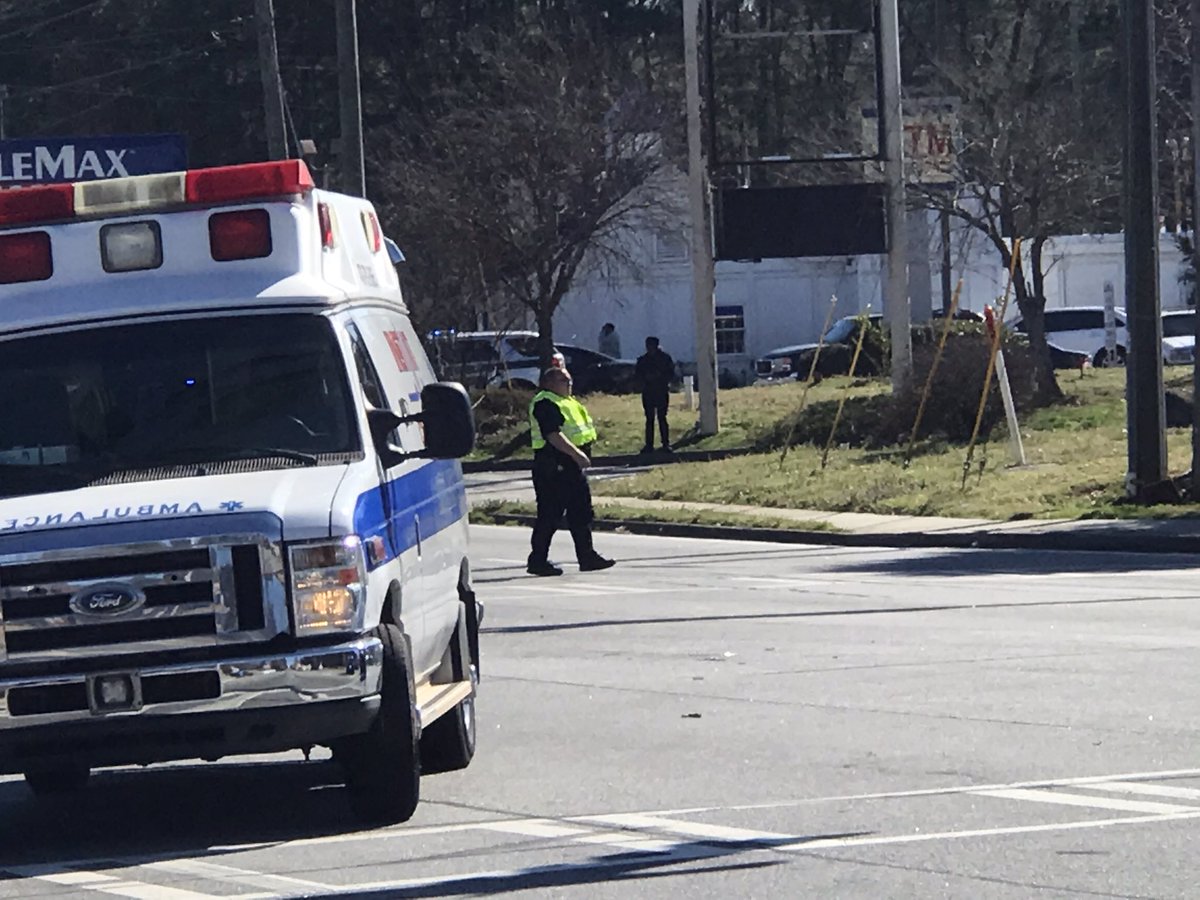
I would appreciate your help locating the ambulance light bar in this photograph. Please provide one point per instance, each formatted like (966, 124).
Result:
(142, 193)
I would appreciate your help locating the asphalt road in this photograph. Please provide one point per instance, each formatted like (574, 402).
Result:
(716, 719)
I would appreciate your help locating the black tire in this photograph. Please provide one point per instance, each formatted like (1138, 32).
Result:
(1101, 357)
(383, 766)
(448, 744)
(56, 782)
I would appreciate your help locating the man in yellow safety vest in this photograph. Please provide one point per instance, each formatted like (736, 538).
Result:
(563, 434)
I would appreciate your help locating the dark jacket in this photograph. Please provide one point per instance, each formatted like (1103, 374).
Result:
(655, 371)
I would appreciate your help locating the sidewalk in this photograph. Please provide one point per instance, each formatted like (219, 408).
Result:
(867, 529)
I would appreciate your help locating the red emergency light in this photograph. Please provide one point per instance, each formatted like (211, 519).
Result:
(25, 256)
(248, 182)
(22, 206)
(239, 234)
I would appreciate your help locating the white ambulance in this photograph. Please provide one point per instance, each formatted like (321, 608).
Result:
(232, 519)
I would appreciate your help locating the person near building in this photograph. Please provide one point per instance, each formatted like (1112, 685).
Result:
(655, 370)
(562, 434)
(609, 342)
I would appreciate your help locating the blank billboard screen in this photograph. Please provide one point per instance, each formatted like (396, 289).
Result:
(780, 223)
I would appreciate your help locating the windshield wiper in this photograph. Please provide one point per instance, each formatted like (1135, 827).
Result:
(224, 454)
(35, 478)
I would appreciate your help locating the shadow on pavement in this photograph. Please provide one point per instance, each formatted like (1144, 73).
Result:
(165, 813)
(615, 868)
(964, 563)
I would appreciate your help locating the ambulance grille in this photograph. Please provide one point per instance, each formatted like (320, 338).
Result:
(191, 597)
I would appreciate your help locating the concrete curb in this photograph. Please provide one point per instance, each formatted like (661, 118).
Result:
(1095, 541)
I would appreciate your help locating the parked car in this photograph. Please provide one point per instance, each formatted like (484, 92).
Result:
(960, 315)
(837, 349)
(480, 358)
(1179, 337)
(596, 372)
(1080, 329)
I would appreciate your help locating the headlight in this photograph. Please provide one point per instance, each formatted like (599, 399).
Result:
(328, 585)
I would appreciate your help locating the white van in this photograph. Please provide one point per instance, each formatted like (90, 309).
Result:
(231, 516)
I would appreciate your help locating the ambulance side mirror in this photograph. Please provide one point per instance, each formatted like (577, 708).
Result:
(448, 420)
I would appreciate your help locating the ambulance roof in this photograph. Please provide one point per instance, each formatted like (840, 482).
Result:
(239, 237)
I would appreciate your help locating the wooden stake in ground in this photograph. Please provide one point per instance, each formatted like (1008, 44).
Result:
(937, 360)
(987, 378)
(862, 333)
(812, 370)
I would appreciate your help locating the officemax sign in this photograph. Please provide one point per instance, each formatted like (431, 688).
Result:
(50, 160)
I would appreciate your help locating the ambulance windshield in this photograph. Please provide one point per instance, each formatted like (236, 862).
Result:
(85, 405)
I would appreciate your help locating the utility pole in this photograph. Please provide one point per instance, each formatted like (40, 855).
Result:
(354, 178)
(896, 310)
(268, 61)
(699, 202)
(1196, 246)
(1144, 401)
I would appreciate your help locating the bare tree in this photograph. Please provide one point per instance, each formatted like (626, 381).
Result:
(1039, 153)
(540, 159)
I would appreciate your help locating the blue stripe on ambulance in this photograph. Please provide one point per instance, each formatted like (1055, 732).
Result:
(434, 492)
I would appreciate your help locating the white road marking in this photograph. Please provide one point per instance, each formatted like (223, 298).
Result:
(930, 792)
(106, 884)
(825, 843)
(692, 829)
(623, 840)
(1149, 790)
(535, 828)
(1065, 799)
(231, 875)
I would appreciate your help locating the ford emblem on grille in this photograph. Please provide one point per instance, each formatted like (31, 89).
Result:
(107, 599)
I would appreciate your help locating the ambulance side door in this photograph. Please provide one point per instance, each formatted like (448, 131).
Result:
(413, 485)
(398, 503)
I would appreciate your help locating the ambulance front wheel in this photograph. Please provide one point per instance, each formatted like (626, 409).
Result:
(383, 766)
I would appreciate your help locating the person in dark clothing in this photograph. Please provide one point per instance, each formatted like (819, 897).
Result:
(562, 434)
(655, 370)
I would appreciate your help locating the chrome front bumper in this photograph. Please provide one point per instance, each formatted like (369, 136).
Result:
(256, 704)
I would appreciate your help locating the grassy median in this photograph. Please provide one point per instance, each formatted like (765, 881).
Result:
(1075, 450)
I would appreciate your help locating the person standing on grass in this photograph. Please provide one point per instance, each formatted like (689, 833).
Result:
(609, 342)
(562, 434)
(654, 370)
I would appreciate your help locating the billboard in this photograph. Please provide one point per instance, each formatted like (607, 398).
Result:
(26, 161)
(780, 223)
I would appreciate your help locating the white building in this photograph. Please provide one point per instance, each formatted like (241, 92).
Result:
(776, 302)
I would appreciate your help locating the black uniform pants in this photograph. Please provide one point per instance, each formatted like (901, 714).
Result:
(561, 488)
(654, 405)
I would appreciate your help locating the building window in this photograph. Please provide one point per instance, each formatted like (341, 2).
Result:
(731, 330)
(670, 246)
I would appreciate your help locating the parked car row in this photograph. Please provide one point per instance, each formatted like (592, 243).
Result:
(1076, 335)
(510, 358)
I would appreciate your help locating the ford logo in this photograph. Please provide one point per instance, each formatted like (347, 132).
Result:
(106, 600)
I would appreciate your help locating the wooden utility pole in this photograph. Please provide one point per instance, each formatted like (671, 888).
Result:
(699, 202)
(1144, 401)
(268, 61)
(354, 178)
